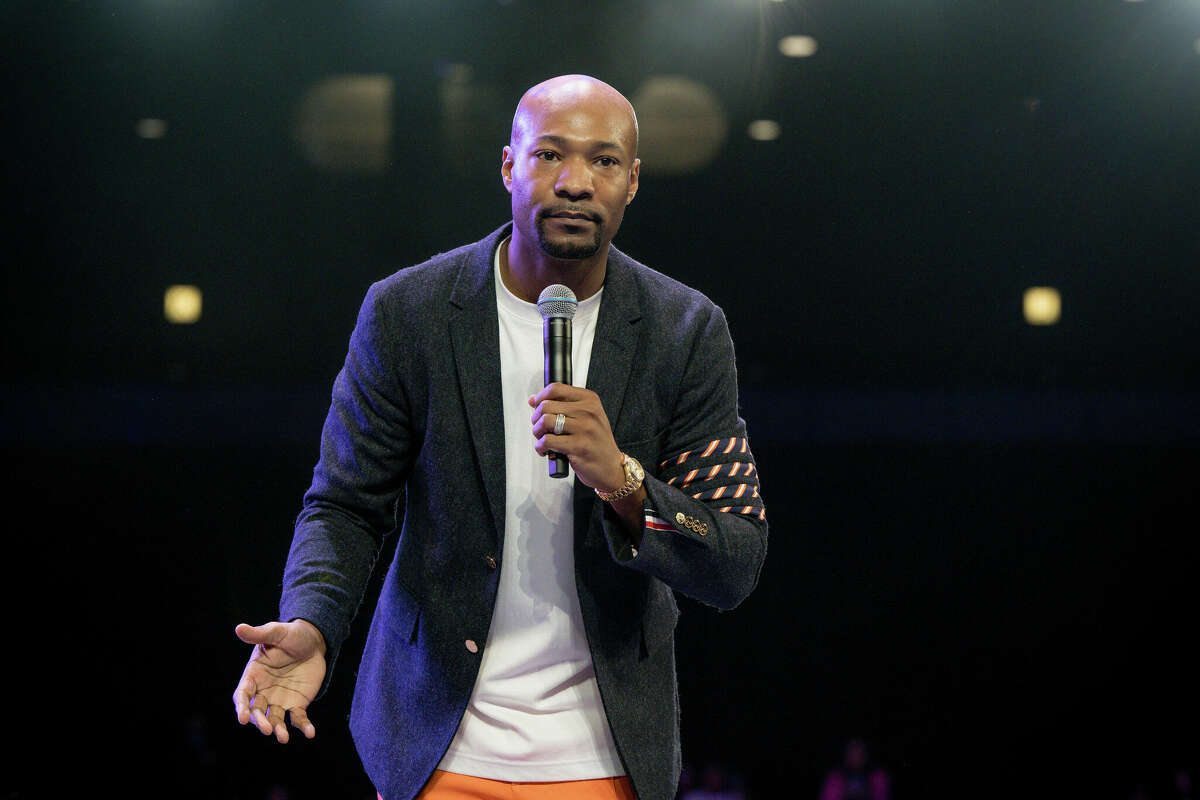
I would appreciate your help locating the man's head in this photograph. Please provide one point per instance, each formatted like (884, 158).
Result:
(571, 165)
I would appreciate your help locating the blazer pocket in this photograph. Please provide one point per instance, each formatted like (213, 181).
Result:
(659, 618)
(402, 612)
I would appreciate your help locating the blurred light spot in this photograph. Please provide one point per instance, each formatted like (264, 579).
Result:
(764, 130)
(476, 119)
(457, 74)
(1043, 305)
(1032, 104)
(182, 304)
(681, 124)
(344, 123)
(456, 95)
(151, 128)
(1196, 46)
(798, 46)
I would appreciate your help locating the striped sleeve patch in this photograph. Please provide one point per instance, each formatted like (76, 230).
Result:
(724, 446)
(720, 472)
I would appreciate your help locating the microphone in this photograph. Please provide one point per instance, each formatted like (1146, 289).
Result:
(557, 305)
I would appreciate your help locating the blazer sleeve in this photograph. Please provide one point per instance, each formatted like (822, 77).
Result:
(704, 523)
(351, 505)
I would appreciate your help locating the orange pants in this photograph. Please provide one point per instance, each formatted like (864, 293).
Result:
(452, 786)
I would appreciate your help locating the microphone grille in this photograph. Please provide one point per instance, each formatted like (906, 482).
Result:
(557, 300)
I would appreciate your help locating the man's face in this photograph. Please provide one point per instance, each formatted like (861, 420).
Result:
(571, 170)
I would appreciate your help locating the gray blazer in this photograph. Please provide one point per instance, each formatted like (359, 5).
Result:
(416, 420)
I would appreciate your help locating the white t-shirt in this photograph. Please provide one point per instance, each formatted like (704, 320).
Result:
(535, 713)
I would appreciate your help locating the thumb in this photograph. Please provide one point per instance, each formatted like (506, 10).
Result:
(270, 633)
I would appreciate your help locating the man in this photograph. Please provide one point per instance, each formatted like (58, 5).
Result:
(523, 639)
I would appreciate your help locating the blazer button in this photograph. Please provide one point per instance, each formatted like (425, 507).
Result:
(471, 646)
(680, 518)
(491, 561)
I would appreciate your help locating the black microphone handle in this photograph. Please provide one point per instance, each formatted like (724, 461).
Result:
(556, 342)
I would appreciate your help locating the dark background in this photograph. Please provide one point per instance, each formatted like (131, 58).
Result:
(983, 532)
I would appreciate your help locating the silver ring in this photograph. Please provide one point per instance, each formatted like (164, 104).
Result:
(559, 421)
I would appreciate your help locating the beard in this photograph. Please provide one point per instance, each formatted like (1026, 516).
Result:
(567, 251)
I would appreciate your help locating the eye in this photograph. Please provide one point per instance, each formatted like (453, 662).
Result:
(606, 161)
(545, 155)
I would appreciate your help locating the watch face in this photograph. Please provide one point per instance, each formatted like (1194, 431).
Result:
(636, 468)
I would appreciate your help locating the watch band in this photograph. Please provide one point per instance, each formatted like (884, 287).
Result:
(632, 482)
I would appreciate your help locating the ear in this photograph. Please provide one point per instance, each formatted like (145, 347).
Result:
(633, 180)
(506, 165)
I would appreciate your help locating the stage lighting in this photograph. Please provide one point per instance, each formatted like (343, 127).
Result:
(1043, 305)
(681, 124)
(344, 123)
(763, 130)
(151, 128)
(182, 304)
(798, 46)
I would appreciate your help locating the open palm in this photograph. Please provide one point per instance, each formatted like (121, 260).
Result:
(283, 675)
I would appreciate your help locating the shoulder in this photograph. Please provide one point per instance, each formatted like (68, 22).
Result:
(435, 277)
(455, 276)
(668, 300)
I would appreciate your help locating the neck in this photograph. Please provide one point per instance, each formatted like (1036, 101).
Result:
(527, 270)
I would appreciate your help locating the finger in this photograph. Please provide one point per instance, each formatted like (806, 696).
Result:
(549, 408)
(546, 424)
(301, 722)
(572, 408)
(539, 410)
(270, 633)
(560, 391)
(275, 717)
(241, 698)
(258, 714)
(549, 443)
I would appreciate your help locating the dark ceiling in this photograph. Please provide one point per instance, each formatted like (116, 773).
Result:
(936, 158)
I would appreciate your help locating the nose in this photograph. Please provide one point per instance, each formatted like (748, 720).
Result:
(574, 180)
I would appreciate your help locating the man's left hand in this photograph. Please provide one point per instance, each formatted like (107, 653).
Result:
(586, 439)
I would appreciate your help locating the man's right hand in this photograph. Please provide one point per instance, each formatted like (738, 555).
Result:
(283, 676)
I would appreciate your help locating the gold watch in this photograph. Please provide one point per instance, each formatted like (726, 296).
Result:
(633, 479)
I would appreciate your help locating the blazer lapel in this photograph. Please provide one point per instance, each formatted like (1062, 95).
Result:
(613, 346)
(475, 339)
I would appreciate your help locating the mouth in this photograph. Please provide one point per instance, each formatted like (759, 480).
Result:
(572, 216)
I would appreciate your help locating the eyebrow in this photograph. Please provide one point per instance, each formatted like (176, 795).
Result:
(562, 142)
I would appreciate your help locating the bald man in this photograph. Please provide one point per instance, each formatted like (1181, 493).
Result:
(523, 642)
